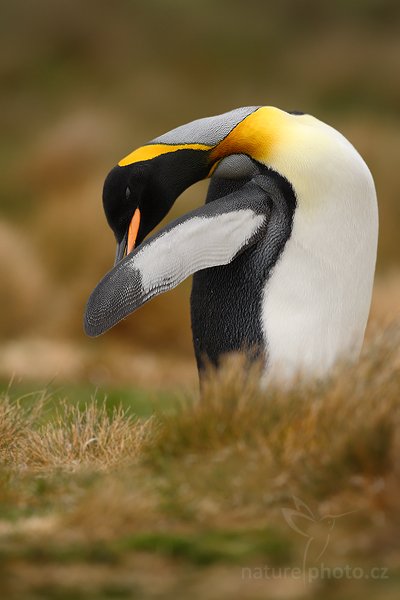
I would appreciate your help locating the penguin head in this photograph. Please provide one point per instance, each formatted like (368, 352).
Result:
(128, 201)
(140, 190)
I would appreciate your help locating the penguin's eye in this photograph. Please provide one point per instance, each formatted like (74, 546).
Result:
(127, 193)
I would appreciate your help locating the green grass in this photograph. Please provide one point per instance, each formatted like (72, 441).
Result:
(201, 548)
(140, 402)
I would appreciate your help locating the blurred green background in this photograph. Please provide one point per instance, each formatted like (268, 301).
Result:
(84, 83)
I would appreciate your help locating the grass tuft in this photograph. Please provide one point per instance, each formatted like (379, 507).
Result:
(87, 436)
(316, 431)
(73, 436)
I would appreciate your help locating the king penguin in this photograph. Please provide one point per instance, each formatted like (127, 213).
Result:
(283, 252)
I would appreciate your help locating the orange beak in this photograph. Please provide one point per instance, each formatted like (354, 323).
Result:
(133, 231)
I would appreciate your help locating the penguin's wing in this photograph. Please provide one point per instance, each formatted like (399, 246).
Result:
(210, 236)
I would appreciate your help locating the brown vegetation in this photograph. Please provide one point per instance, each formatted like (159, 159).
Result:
(207, 483)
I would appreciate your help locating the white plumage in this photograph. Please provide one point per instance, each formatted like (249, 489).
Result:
(317, 299)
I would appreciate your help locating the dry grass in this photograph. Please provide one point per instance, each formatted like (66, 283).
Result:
(85, 437)
(242, 450)
(16, 422)
(207, 483)
(233, 408)
(72, 437)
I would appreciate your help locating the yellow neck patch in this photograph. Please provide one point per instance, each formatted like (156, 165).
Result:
(254, 136)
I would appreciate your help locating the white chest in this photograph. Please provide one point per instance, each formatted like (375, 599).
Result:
(317, 299)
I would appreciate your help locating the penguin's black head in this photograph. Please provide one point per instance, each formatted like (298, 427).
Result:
(129, 195)
(136, 197)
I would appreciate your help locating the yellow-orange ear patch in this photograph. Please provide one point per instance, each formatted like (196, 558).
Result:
(254, 136)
